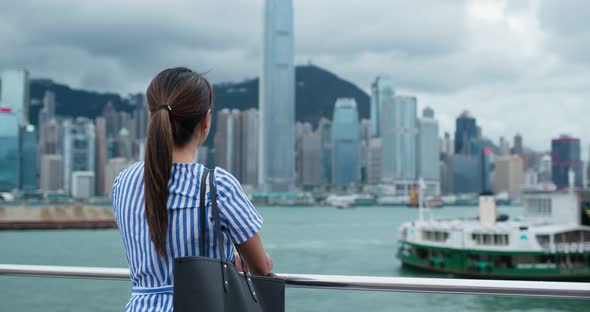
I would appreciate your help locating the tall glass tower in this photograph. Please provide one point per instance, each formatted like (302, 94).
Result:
(276, 157)
(9, 169)
(346, 143)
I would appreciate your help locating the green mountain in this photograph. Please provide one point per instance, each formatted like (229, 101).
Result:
(317, 91)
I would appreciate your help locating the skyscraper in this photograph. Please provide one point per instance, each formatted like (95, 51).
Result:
(325, 131)
(374, 161)
(226, 141)
(15, 93)
(504, 147)
(83, 184)
(311, 161)
(428, 153)
(101, 155)
(465, 133)
(51, 177)
(399, 134)
(518, 145)
(48, 111)
(566, 156)
(276, 143)
(509, 175)
(28, 158)
(140, 114)
(9, 156)
(345, 143)
(79, 142)
(249, 146)
(381, 90)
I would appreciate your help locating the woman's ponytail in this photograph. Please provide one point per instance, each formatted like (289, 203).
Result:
(158, 165)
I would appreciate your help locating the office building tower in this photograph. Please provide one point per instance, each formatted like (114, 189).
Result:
(504, 147)
(124, 144)
(227, 141)
(110, 172)
(345, 143)
(140, 115)
(428, 112)
(83, 184)
(325, 131)
(463, 174)
(374, 161)
(465, 133)
(249, 147)
(276, 157)
(365, 128)
(28, 158)
(566, 156)
(518, 145)
(545, 170)
(428, 152)
(51, 175)
(79, 154)
(49, 137)
(112, 119)
(15, 93)
(508, 177)
(447, 147)
(382, 90)
(9, 153)
(101, 155)
(311, 159)
(47, 112)
(486, 170)
(399, 134)
(301, 129)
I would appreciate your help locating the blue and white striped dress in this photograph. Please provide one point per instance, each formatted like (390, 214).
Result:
(151, 275)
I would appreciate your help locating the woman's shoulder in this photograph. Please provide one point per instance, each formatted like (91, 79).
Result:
(134, 169)
(225, 177)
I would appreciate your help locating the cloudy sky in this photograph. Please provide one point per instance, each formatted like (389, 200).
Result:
(518, 66)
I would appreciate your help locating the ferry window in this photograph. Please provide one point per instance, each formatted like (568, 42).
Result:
(487, 239)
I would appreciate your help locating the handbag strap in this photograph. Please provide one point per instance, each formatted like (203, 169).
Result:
(202, 214)
(218, 233)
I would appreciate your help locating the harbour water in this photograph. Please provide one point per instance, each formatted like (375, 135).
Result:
(311, 240)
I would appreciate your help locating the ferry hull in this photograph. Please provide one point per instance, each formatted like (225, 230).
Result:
(461, 263)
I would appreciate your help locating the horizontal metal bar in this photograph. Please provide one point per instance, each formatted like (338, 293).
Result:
(555, 290)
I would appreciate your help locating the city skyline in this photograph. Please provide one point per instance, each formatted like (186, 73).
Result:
(491, 57)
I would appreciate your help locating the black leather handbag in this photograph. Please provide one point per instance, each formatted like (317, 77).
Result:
(211, 284)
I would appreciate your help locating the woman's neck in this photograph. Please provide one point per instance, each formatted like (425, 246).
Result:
(184, 155)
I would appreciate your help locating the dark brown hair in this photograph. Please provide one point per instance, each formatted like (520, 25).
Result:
(178, 100)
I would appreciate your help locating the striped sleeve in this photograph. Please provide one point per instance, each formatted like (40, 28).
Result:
(236, 211)
(114, 193)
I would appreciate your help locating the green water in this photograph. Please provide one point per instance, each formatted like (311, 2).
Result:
(321, 240)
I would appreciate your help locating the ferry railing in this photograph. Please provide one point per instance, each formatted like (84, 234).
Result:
(553, 290)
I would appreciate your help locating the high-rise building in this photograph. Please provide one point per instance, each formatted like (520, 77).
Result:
(509, 175)
(110, 172)
(486, 170)
(365, 129)
(15, 93)
(345, 143)
(566, 155)
(463, 174)
(465, 133)
(311, 159)
(112, 119)
(49, 135)
(399, 135)
(227, 141)
(83, 184)
(28, 158)
(9, 156)
(545, 170)
(249, 147)
(276, 157)
(428, 152)
(140, 115)
(382, 90)
(325, 131)
(48, 111)
(301, 129)
(79, 152)
(51, 177)
(447, 147)
(101, 155)
(518, 145)
(124, 144)
(374, 161)
(504, 147)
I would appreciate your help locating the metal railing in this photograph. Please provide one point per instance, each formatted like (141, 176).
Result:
(555, 290)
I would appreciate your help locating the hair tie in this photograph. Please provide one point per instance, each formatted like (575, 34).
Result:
(165, 106)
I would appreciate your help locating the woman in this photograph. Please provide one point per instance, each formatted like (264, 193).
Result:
(156, 202)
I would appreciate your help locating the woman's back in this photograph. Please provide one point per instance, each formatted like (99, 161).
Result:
(151, 274)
